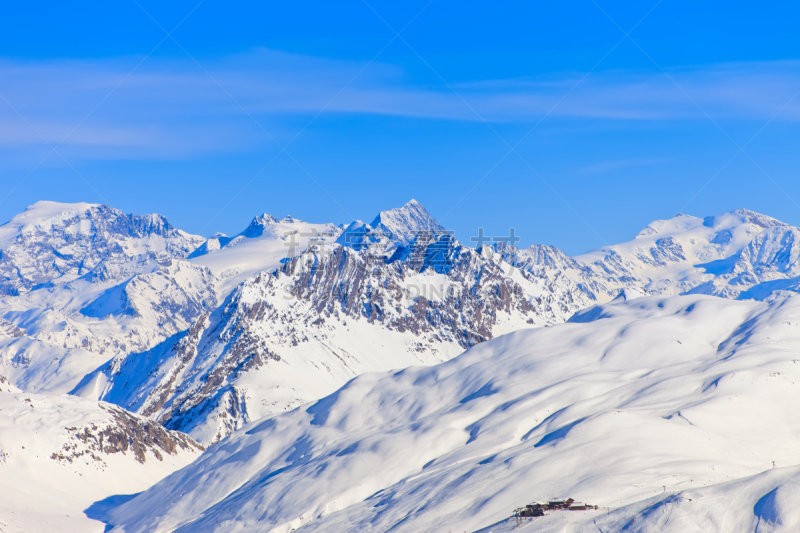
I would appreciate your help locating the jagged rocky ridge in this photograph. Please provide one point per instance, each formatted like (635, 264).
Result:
(430, 300)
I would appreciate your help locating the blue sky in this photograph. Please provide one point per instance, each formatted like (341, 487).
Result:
(693, 111)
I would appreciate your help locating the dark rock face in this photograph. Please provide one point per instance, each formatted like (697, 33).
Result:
(392, 292)
(124, 433)
(8, 329)
(185, 350)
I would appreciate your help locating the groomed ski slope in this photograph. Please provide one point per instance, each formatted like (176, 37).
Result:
(674, 413)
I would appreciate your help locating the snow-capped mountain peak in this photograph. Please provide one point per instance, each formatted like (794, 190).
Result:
(682, 223)
(269, 227)
(405, 222)
(390, 230)
(740, 254)
(259, 224)
(54, 241)
(40, 214)
(678, 223)
(83, 219)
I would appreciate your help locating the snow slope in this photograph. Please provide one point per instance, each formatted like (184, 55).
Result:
(638, 405)
(763, 503)
(60, 454)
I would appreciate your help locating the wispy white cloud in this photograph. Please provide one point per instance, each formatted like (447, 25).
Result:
(604, 167)
(170, 108)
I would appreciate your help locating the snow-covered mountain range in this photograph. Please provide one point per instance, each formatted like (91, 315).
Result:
(737, 254)
(206, 336)
(288, 337)
(79, 264)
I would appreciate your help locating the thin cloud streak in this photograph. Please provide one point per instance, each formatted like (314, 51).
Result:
(604, 167)
(170, 109)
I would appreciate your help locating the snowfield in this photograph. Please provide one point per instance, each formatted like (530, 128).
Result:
(60, 454)
(262, 246)
(675, 413)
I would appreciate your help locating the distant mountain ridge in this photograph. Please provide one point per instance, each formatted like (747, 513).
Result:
(52, 241)
(199, 333)
(689, 254)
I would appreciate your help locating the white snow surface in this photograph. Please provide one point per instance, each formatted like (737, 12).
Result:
(675, 413)
(265, 243)
(42, 215)
(58, 456)
(66, 331)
